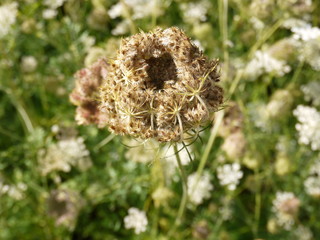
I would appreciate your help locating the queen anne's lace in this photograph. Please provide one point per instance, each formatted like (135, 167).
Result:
(136, 220)
(199, 188)
(308, 126)
(8, 14)
(229, 175)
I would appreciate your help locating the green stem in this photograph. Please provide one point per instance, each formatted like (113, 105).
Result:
(184, 198)
(257, 209)
(127, 16)
(27, 123)
(265, 36)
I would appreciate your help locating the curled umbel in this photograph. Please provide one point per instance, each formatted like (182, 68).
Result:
(160, 86)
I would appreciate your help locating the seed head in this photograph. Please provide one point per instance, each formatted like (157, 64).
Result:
(159, 86)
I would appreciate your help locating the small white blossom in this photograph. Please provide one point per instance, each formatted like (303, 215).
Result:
(121, 28)
(229, 175)
(199, 188)
(312, 183)
(13, 191)
(64, 154)
(29, 64)
(139, 8)
(8, 14)
(144, 152)
(257, 23)
(259, 115)
(294, 23)
(136, 220)
(311, 92)
(53, 4)
(285, 206)
(49, 13)
(308, 126)
(195, 11)
(302, 233)
(263, 63)
(306, 33)
(234, 145)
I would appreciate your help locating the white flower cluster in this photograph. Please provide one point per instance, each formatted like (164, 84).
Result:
(285, 207)
(308, 126)
(291, 23)
(139, 8)
(311, 92)
(8, 14)
(259, 115)
(199, 188)
(302, 233)
(63, 155)
(229, 175)
(29, 64)
(13, 191)
(194, 12)
(136, 220)
(308, 44)
(306, 33)
(51, 10)
(312, 183)
(141, 152)
(263, 63)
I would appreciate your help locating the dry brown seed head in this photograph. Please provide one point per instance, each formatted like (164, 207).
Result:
(159, 85)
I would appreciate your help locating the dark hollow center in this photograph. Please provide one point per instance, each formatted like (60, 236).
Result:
(161, 69)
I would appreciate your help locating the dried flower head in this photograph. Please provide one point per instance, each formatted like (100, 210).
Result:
(64, 207)
(85, 94)
(159, 86)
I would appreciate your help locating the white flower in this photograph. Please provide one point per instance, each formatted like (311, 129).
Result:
(144, 152)
(139, 8)
(257, 23)
(115, 10)
(302, 233)
(8, 14)
(122, 28)
(312, 183)
(199, 188)
(49, 13)
(294, 23)
(29, 63)
(263, 63)
(308, 126)
(311, 92)
(14, 191)
(234, 145)
(229, 175)
(63, 155)
(195, 11)
(285, 206)
(53, 4)
(306, 33)
(136, 220)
